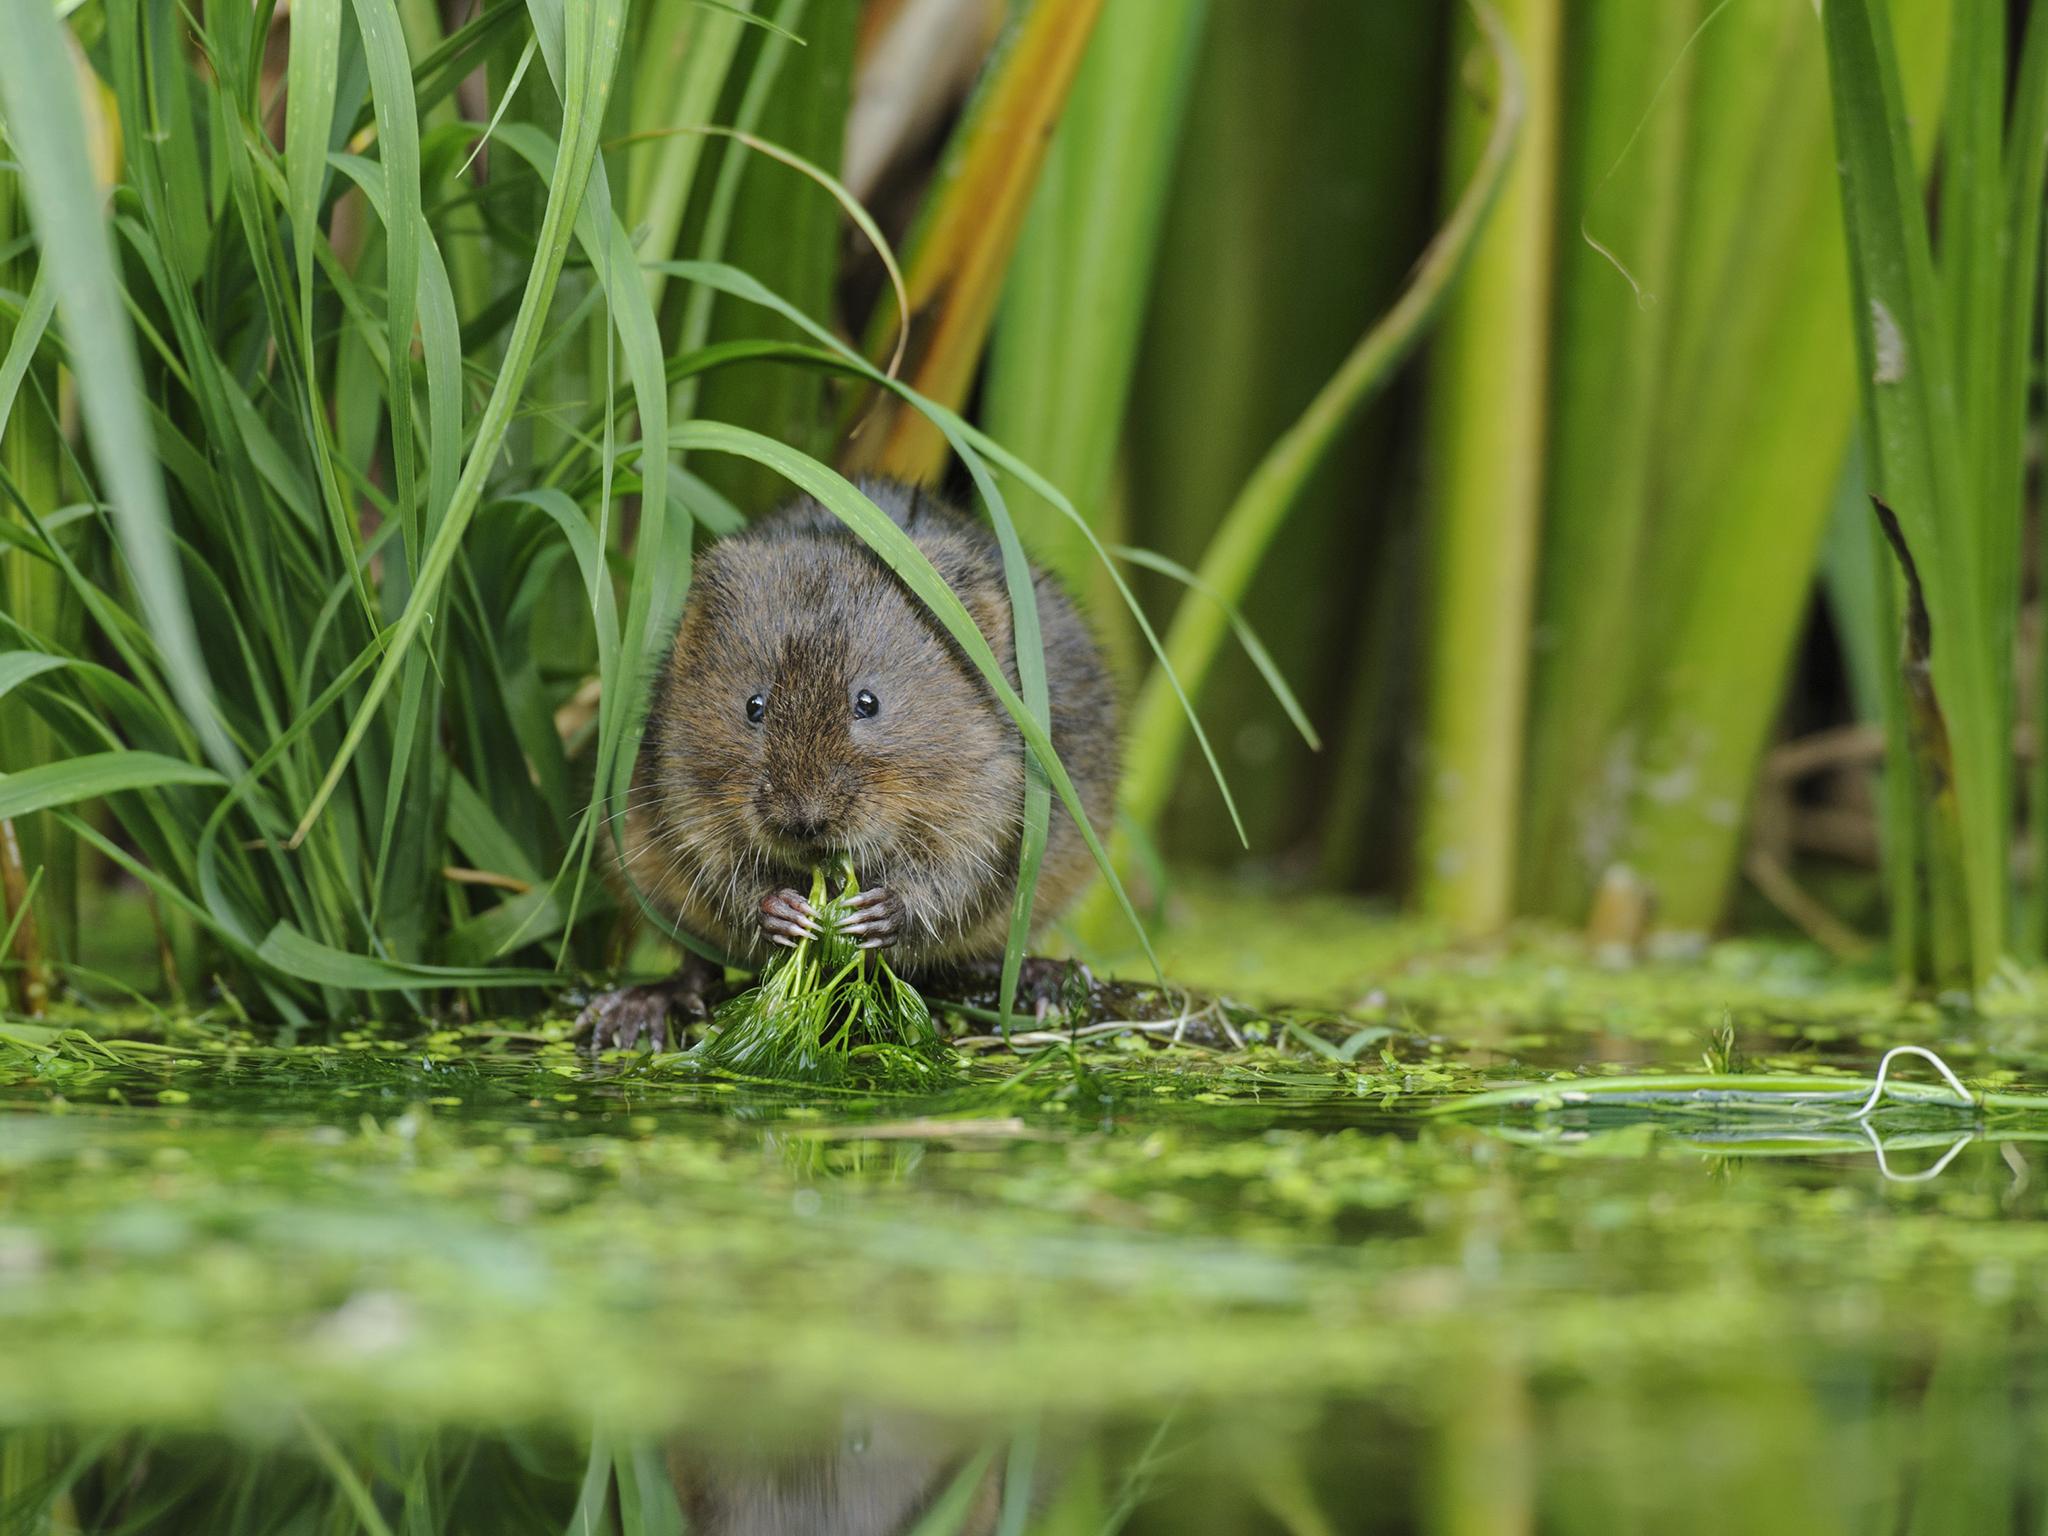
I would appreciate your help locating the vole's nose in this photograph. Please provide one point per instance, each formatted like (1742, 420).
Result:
(800, 818)
(808, 824)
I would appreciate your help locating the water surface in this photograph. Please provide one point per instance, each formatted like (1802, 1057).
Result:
(470, 1281)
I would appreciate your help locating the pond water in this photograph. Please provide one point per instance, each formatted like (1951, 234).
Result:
(469, 1281)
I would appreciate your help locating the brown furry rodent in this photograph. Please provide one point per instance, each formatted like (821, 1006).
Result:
(812, 705)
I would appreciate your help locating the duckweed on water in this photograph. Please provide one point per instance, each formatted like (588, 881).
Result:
(434, 1235)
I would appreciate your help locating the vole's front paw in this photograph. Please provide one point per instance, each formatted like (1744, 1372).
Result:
(636, 1018)
(787, 918)
(876, 918)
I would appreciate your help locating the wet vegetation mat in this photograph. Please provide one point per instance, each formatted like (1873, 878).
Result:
(1642, 1246)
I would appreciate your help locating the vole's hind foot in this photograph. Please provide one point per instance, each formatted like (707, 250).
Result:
(787, 918)
(876, 919)
(637, 1018)
(1044, 985)
(634, 1018)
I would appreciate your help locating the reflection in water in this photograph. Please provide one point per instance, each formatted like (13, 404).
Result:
(1368, 1317)
(885, 1474)
(1754, 1442)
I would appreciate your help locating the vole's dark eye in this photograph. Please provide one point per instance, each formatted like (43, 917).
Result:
(866, 706)
(757, 708)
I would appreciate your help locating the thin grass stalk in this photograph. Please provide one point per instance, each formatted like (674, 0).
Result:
(960, 251)
(1073, 305)
(1486, 455)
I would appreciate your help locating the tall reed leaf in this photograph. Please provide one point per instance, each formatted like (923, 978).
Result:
(961, 248)
(1620, 198)
(1487, 425)
(593, 29)
(1066, 341)
(1735, 366)
(1930, 372)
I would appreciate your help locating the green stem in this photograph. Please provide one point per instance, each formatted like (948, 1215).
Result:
(1620, 192)
(1487, 424)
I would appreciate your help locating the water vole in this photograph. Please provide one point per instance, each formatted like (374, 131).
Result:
(811, 705)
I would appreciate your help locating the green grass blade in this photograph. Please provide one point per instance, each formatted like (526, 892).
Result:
(1029, 645)
(18, 667)
(1247, 637)
(592, 53)
(288, 950)
(955, 1506)
(405, 231)
(93, 777)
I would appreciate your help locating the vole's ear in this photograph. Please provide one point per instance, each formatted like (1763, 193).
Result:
(990, 609)
(985, 601)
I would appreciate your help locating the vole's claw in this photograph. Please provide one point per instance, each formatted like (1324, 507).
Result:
(787, 918)
(876, 918)
(636, 1018)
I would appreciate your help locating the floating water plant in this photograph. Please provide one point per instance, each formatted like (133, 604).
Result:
(827, 1009)
(1823, 1095)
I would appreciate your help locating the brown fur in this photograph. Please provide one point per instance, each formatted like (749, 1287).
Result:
(927, 796)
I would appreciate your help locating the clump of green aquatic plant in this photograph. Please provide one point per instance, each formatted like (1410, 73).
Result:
(827, 1009)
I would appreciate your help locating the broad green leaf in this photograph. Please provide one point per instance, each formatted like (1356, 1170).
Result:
(289, 950)
(94, 777)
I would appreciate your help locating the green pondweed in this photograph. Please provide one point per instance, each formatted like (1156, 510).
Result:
(828, 1009)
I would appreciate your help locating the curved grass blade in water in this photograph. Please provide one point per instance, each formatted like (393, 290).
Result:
(826, 1010)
